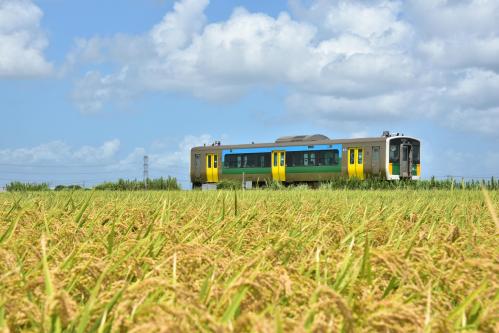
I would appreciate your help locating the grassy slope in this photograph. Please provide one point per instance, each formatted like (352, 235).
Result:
(284, 260)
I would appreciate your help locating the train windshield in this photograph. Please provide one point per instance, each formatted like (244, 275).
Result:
(395, 151)
(404, 156)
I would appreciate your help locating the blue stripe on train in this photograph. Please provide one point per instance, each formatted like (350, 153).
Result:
(288, 148)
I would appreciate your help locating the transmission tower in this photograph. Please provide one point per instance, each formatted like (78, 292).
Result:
(146, 170)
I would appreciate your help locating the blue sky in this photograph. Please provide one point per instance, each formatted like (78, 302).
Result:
(88, 87)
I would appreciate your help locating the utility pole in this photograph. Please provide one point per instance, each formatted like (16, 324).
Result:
(146, 170)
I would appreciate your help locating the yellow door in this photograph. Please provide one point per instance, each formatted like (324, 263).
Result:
(351, 163)
(359, 167)
(214, 174)
(279, 166)
(211, 168)
(356, 163)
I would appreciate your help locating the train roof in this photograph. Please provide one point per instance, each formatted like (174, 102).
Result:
(301, 141)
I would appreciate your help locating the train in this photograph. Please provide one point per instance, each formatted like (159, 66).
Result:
(308, 159)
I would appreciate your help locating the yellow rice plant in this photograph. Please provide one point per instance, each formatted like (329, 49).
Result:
(254, 261)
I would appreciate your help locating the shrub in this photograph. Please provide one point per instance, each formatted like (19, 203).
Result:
(168, 184)
(19, 186)
(229, 185)
(67, 187)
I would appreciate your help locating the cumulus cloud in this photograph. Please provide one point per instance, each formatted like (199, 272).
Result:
(180, 157)
(59, 162)
(351, 61)
(62, 153)
(21, 40)
(94, 90)
(179, 27)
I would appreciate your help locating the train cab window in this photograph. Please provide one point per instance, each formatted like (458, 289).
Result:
(215, 161)
(415, 154)
(360, 155)
(394, 154)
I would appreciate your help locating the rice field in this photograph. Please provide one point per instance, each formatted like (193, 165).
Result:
(255, 261)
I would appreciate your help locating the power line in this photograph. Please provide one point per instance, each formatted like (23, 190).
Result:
(27, 165)
(465, 177)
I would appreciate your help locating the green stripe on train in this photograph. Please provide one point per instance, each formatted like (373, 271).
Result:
(301, 169)
(248, 171)
(313, 169)
(395, 169)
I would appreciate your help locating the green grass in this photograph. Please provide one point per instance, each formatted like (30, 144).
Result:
(251, 261)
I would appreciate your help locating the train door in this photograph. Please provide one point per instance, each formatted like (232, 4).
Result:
(212, 168)
(279, 165)
(405, 160)
(356, 163)
(375, 160)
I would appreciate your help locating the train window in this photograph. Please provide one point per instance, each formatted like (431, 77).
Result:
(313, 158)
(360, 156)
(375, 153)
(215, 161)
(405, 153)
(352, 156)
(260, 160)
(415, 154)
(230, 161)
(394, 154)
(208, 157)
(329, 157)
(282, 159)
(311, 161)
(275, 159)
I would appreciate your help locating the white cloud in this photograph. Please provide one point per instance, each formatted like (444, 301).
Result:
(457, 34)
(342, 61)
(477, 89)
(340, 110)
(58, 152)
(58, 162)
(93, 91)
(180, 157)
(21, 40)
(448, 18)
(166, 155)
(179, 27)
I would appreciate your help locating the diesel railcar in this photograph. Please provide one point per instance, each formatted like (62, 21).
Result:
(308, 159)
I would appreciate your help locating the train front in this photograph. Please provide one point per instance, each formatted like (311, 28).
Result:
(404, 158)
